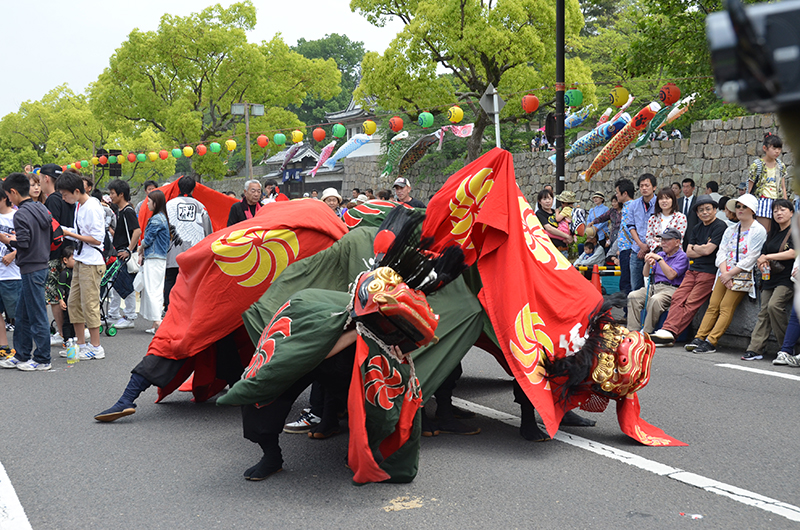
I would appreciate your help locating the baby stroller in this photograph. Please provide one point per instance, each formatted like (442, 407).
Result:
(106, 285)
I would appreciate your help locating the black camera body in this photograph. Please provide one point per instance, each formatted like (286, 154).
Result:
(755, 54)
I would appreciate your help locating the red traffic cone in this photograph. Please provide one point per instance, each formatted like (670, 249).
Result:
(596, 279)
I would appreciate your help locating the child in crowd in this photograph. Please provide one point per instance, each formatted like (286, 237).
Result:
(767, 178)
(31, 240)
(64, 283)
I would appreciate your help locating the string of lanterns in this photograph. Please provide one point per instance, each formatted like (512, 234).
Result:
(618, 96)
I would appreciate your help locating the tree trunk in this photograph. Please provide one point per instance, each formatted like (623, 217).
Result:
(476, 140)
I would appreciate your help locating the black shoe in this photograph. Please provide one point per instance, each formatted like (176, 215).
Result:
(694, 344)
(571, 419)
(752, 356)
(704, 347)
(462, 414)
(116, 412)
(264, 469)
(428, 426)
(454, 426)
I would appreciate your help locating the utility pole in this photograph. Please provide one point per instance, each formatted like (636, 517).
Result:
(560, 88)
(245, 108)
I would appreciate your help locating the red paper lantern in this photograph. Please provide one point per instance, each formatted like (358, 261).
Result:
(318, 134)
(669, 94)
(131, 157)
(163, 154)
(396, 124)
(63, 168)
(262, 140)
(103, 160)
(530, 103)
(201, 149)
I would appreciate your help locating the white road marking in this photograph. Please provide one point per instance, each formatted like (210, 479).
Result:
(749, 498)
(759, 371)
(12, 515)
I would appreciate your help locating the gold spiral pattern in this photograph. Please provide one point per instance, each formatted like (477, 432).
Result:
(255, 254)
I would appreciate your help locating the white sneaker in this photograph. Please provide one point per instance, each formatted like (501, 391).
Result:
(88, 352)
(33, 366)
(782, 359)
(11, 362)
(56, 339)
(123, 323)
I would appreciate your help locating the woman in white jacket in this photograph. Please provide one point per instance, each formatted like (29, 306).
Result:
(738, 252)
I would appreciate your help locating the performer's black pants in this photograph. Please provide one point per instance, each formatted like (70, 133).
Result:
(262, 425)
(170, 278)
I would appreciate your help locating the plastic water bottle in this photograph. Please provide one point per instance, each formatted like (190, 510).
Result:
(72, 351)
(765, 272)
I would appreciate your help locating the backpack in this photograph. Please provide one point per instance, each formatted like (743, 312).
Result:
(56, 234)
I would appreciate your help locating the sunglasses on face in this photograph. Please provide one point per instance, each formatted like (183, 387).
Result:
(740, 206)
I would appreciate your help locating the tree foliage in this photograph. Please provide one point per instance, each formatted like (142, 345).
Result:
(509, 43)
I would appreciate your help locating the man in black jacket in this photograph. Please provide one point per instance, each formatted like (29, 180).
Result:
(686, 206)
(248, 206)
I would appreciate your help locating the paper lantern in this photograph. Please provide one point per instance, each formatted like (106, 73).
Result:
(112, 159)
(176, 153)
(369, 127)
(573, 98)
(339, 130)
(279, 139)
(63, 168)
(103, 160)
(425, 120)
(297, 136)
(215, 147)
(669, 94)
(152, 156)
(188, 151)
(131, 157)
(318, 134)
(619, 96)
(201, 149)
(95, 160)
(141, 157)
(262, 141)
(164, 154)
(530, 103)
(84, 163)
(396, 124)
(230, 144)
(455, 114)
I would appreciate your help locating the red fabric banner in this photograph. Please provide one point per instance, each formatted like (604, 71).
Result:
(217, 204)
(225, 274)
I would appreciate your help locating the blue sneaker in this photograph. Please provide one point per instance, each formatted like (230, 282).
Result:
(88, 352)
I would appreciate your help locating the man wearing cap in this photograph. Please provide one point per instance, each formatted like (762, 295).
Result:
(597, 210)
(332, 198)
(686, 207)
(741, 189)
(402, 190)
(668, 268)
(704, 240)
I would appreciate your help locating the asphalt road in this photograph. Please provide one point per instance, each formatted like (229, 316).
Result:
(179, 464)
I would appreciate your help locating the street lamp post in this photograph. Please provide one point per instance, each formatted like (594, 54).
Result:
(245, 108)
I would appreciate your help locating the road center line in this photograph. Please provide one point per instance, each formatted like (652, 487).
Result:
(12, 515)
(760, 371)
(743, 496)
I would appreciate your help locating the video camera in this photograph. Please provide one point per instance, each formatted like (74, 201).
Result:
(755, 54)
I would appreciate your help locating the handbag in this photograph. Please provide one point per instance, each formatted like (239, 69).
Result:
(776, 266)
(133, 263)
(743, 281)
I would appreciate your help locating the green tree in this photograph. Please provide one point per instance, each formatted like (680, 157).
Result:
(348, 55)
(509, 43)
(182, 78)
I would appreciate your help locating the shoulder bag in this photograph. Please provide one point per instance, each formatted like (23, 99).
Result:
(743, 281)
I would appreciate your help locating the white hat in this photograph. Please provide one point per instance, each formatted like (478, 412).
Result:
(362, 198)
(402, 182)
(747, 199)
(331, 192)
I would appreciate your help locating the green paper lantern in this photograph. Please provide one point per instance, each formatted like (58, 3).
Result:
(339, 131)
(112, 159)
(84, 163)
(279, 139)
(215, 147)
(573, 98)
(176, 153)
(141, 157)
(425, 120)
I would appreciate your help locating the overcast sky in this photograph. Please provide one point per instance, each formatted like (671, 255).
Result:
(49, 42)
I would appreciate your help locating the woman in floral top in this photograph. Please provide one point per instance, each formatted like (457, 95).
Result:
(665, 216)
(738, 252)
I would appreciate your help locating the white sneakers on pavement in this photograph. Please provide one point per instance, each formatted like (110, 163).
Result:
(88, 352)
(123, 323)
